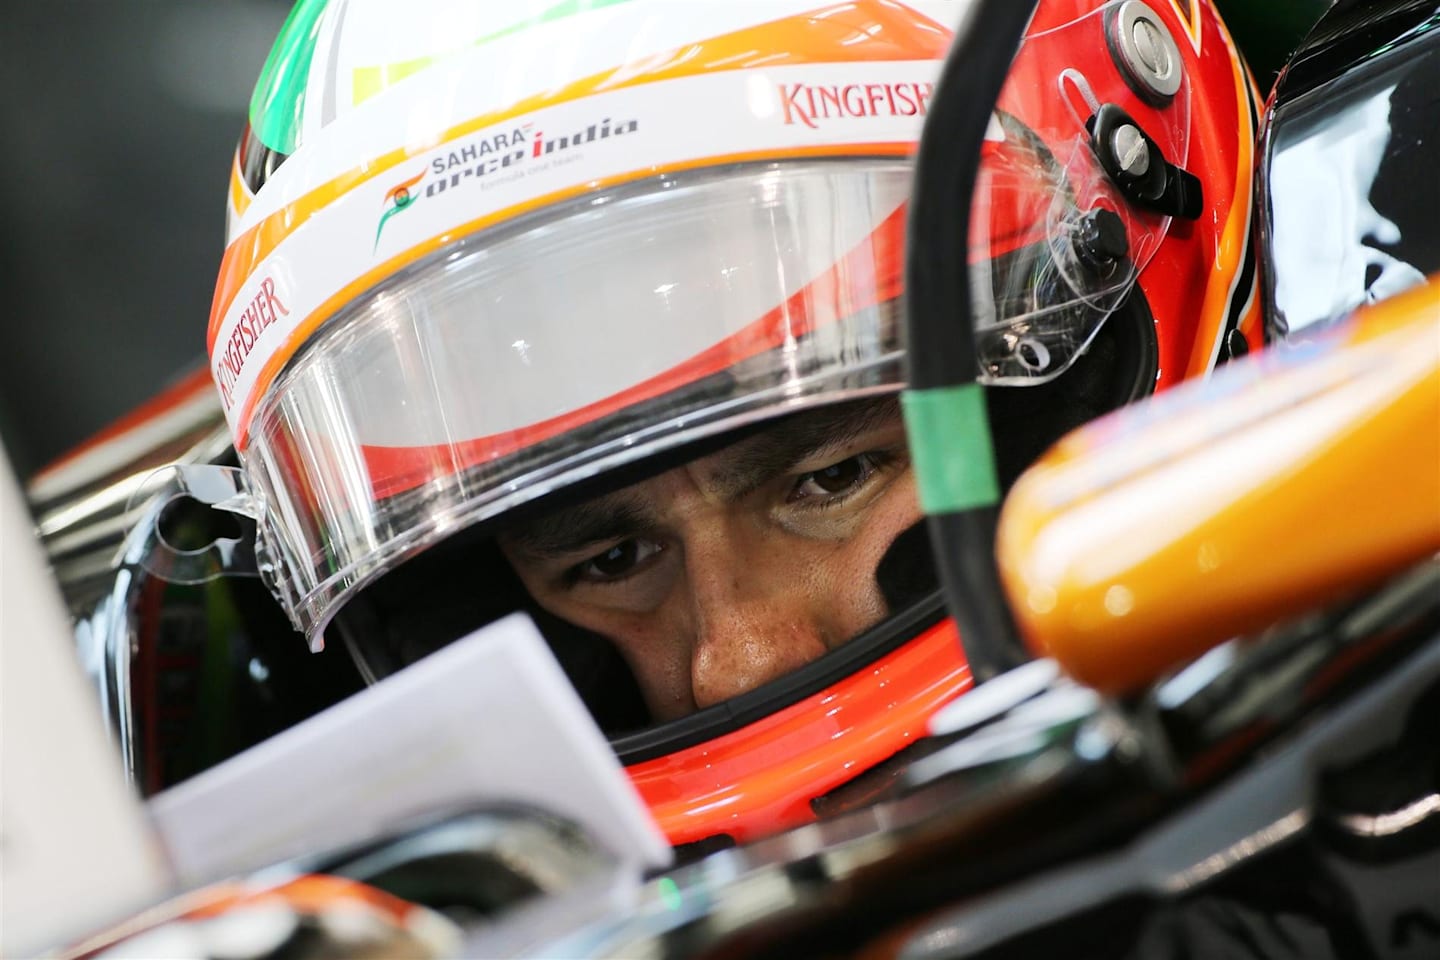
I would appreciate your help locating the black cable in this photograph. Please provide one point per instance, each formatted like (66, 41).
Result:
(944, 405)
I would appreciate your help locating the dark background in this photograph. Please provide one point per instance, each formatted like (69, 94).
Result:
(118, 120)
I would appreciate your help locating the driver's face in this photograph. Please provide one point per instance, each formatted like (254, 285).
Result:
(738, 567)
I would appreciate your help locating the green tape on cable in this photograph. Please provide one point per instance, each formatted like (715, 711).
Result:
(951, 449)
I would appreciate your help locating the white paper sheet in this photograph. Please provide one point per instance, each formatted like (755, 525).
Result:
(75, 849)
(491, 717)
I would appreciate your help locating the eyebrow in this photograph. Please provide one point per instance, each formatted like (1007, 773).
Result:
(747, 466)
(753, 462)
(615, 516)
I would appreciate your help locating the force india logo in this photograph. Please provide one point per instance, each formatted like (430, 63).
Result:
(501, 157)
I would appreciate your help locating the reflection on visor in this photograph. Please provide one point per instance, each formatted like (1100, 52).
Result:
(531, 357)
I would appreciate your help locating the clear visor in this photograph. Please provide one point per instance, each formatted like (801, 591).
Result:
(524, 359)
(527, 357)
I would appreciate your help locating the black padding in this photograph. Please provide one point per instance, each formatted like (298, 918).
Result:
(907, 571)
(1118, 367)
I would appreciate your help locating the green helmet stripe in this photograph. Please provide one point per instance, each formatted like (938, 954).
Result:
(567, 8)
(279, 99)
(366, 82)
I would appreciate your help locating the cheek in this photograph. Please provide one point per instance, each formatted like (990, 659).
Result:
(653, 645)
(897, 510)
(845, 575)
(656, 648)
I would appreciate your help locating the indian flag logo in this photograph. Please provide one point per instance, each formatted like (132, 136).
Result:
(397, 199)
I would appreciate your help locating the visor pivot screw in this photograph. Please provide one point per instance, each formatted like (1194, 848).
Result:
(1150, 48)
(1137, 165)
(1144, 49)
(1131, 151)
(1100, 240)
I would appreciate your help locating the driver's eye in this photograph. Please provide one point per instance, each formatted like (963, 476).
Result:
(617, 562)
(838, 479)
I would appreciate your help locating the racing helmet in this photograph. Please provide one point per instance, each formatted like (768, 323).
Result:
(487, 259)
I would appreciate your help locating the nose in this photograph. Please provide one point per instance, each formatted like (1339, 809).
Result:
(751, 629)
